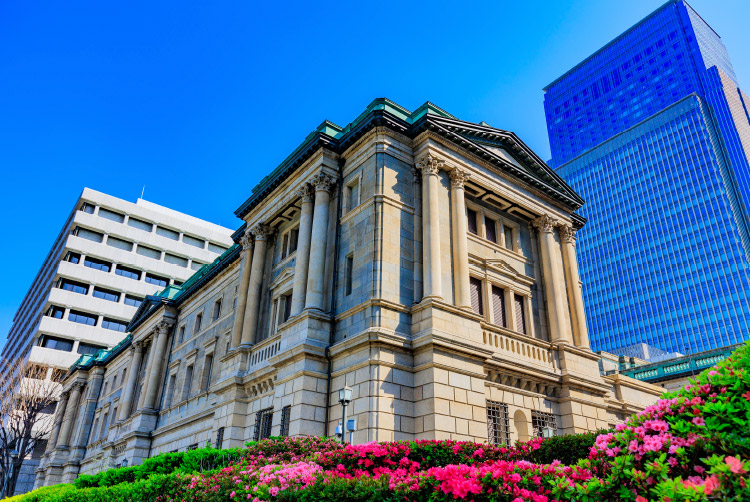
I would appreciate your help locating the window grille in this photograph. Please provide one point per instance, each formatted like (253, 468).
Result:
(263, 420)
(286, 414)
(498, 426)
(541, 421)
(219, 438)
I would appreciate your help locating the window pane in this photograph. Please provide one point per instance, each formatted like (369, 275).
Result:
(498, 426)
(490, 229)
(133, 301)
(88, 348)
(156, 280)
(114, 324)
(149, 252)
(97, 264)
(193, 241)
(508, 238)
(475, 290)
(196, 265)
(140, 224)
(75, 287)
(73, 257)
(52, 342)
(130, 273)
(88, 208)
(498, 306)
(106, 294)
(119, 243)
(471, 216)
(85, 233)
(111, 215)
(169, 234)
(82, 318)
(214, 248)
(175, 260)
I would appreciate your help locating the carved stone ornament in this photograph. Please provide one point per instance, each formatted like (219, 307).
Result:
(545, 223)
(458, 177)
(568, 234)
(261, 232)
(78, 385)
(306, 193)
(430, 165)
(164, 326)
(246, 241)
(323, 182)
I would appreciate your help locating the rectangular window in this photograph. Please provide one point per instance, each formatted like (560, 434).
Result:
(352, 196)
(133, 301)
(102, 265)
(475, 291)
(287, 306)
(188, 381)
(128, 272)
(518, 301)
(148, 252)
(217, 310)
(73, 257)
(498, 306)
(215, 248)
(157, 280)
(87, 234)
(89, 348)
(208, 366)
(286, 415)
(219, 437)
(263, 420)
(168, 233)
(543, 424)
(140, 224)
(119, 243)
(193, 241)
(181, 334)
(75, 287)
(175, 260)
(111, 215)
(471, 217)
(196, 265)
(170, 391)
(56, 312)
(114, 324)
(498, 426)
(88, 208)
(490, 228)
(106, 294)
(348, 275)
(508, 238)
(104, 425)
(198, 322)
(53, 342)
(82, 317)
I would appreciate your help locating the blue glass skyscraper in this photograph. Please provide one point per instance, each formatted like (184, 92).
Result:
(654, 132)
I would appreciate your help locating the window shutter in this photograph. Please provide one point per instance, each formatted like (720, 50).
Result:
(475, 289)
(490, 229)
(498, 306)
(520, 314)
(471, 216)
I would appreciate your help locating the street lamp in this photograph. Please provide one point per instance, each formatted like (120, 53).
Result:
(548, 432)
(345, 397)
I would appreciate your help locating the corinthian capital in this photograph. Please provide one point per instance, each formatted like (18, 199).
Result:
(567, 234)
(164, 326)
(322, 182)
(430, 165)
(305, 192)
(545, 223)
(458, 177)
(246, 241)
(261, 232)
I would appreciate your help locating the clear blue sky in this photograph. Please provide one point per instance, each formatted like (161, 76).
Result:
(199, 100)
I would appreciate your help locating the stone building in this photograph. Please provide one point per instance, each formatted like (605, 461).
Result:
(425, 262)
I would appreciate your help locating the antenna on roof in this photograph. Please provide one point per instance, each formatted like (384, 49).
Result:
(143, 191)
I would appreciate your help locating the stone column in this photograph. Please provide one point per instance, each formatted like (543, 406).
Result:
(59, 418)
(142, 381)
(303, 250)
(460, 241)
(316, 274)
(239, 313)
(430, 166)
(417, 189)
(250, 323)
(577, 313)
(553, 290)
(154, 373)
(89, 407)
(136, 356)
(70, 414)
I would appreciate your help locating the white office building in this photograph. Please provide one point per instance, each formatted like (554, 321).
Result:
(108, 257)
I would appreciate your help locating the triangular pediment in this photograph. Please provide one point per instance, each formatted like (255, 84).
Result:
(285, 274)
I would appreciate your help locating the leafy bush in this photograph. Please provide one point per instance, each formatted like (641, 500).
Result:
(568, 448)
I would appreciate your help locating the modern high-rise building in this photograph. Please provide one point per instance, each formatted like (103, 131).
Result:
(109, 255)
(653, 131)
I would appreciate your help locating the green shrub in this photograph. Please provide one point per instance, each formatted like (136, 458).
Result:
(568, 449)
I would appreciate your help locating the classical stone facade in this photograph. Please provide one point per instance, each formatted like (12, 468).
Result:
(425, 262)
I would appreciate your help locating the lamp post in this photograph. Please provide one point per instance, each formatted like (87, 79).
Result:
(345, 397)
(548, 432)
